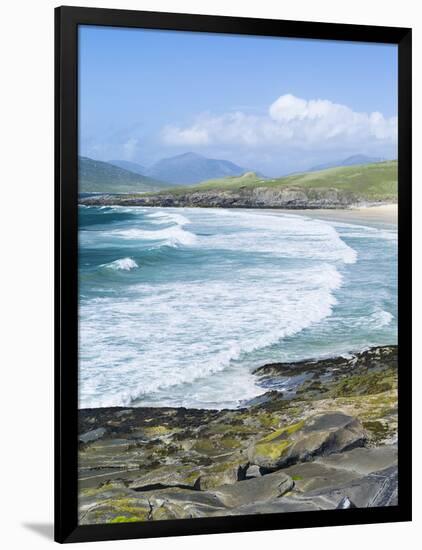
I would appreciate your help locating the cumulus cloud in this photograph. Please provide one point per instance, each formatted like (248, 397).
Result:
(290, 120)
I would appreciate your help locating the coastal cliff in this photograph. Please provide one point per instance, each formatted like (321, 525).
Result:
(323, 435)
(259, 197)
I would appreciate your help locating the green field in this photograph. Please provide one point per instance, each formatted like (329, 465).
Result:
(373, 181)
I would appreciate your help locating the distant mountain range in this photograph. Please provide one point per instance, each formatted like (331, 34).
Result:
(185, 169)
(349, 161)
(131, 166)
(98, 176)
(191, 168)
(122, 176)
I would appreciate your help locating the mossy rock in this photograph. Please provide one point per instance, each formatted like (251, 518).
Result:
(117, 510)
(317, 435)
(364, 384)
(124, 519)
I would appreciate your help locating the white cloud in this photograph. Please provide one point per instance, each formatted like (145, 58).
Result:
(292, 121)
(195, 135)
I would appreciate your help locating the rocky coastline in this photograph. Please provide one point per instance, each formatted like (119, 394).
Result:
(322, 436)
(257, 197)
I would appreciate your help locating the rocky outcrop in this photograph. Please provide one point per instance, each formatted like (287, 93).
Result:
(318, 435)
(246, 197)
(322, 436)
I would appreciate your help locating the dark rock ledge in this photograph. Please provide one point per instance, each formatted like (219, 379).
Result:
(323, 436)
(242, 197)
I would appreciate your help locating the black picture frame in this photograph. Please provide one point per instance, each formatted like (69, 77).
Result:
(67, 20)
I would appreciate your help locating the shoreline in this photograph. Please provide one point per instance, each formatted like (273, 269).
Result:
(323, 434)
(374, 214)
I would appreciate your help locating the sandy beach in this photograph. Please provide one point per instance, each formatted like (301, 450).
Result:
(383, 214)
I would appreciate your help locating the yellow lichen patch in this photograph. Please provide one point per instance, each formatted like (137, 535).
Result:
(282, 433)
(229, 443)
(124, 519)
(129, 507)
(268, 420)
(273, 449)
(156, 431)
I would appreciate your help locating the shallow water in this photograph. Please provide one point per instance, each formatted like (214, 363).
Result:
(178, 306)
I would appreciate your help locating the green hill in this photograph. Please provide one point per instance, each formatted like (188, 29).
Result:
(98, 176)
(340, 187)
(377, 181)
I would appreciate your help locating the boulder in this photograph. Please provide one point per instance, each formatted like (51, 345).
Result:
(253, 471)
(112, 503)
(319, 435)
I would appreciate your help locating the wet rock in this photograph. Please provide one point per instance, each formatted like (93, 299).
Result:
(369, 372)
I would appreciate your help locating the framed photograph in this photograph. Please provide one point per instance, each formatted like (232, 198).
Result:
(233, 254)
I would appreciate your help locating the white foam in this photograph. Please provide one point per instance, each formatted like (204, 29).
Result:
(123, 264)
(381, 318)
(154, 339)
(280, 235)
(166, 335)
(162, 217)
(171, 236)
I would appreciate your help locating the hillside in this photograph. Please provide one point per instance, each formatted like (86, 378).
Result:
(131, 166)
(371, 181)
(349, 161)
(191, 168)
(98, 176)
(332, 188)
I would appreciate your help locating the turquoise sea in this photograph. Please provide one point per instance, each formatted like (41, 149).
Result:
(178, 306)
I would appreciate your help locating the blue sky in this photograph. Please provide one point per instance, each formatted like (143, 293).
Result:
(271, 104)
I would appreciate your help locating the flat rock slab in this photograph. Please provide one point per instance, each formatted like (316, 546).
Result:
(255, 490)
(376, 489)
(339, 469)
(362, 460)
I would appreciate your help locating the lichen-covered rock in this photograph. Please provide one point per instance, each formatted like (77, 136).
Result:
(112, 504)
(319, 435)
(182, 503)
(143, 464)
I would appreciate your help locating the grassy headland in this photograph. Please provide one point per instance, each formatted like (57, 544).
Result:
(332, 188)
(376, 181)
